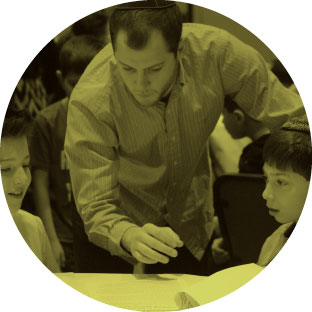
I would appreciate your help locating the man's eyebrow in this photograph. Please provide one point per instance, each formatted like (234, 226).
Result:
(150, 67)
(156, 65)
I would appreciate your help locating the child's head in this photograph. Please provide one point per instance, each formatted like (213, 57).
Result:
(75, 55)
(14, 157)
(238, 123)
(288, 158)
(233, 118)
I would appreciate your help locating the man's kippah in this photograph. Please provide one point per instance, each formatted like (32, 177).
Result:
(299, 124)
(146, 4)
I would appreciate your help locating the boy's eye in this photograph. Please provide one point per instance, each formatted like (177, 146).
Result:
(281, 182)
(27, 166)
(5, 169)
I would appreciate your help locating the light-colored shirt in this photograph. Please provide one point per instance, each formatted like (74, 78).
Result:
(134, 165)
(34, 234)
(273, 245)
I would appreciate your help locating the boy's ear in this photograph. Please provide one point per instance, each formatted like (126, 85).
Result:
(60, 78)
(239, 115)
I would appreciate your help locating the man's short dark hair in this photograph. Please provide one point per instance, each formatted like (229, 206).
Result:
(290, 148)
(139, 23)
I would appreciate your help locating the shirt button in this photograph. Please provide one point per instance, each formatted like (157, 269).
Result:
(175, 162)
(174, 183)
(173, 138)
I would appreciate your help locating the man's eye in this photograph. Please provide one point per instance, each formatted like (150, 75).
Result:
(27, 166)
(155, 69)
(128, 69)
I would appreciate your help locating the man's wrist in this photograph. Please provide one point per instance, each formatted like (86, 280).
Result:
(126, 238)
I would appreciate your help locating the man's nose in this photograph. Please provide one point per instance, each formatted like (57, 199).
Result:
(142, 80)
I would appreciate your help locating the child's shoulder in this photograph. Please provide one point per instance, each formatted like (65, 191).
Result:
(51, 111)
(27, 222)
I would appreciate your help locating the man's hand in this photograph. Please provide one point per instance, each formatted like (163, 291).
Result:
(151, 244)
(59, 253)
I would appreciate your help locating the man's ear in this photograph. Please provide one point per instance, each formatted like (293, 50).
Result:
(239, 116)
(60, 78)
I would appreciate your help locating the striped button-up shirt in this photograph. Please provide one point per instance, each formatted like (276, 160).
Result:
(131, 164)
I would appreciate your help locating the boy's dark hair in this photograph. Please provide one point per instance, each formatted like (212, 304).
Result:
(77, 52)
(17, 122)
(91, 25)
(139, 23)
(290, 148)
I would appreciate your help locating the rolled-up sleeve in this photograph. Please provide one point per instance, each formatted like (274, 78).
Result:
(91, 153)
(247, 78)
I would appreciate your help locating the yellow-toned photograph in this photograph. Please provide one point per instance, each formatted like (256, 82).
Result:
(155, 156)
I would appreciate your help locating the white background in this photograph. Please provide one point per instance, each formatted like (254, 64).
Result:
(26, 26)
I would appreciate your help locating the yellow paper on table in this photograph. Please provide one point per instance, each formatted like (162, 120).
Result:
(134, 292)
(217, 285)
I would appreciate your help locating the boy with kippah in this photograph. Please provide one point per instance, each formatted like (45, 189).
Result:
(16, 177)
(287, 169)
(51, 182)
(240, 125)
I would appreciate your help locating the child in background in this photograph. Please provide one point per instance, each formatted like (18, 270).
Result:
(16, 177)
(240, 125)
(51, 181)
(287, 169)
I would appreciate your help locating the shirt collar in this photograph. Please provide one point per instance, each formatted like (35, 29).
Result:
(181, 73)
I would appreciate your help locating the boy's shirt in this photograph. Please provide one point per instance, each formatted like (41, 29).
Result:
(47, 153)
(273, 244)
(34, 234)
(251, 160)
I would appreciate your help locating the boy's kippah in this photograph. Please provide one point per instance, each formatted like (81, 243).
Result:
(146, 4)
(299, 124)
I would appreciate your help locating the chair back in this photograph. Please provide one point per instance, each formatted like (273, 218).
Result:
(243, 216)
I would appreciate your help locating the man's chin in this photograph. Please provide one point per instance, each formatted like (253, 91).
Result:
(147, 102)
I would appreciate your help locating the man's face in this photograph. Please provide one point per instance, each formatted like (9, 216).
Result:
(15, 172)
(285, 193)
(149, 72)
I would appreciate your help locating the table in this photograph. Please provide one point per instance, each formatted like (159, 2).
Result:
(159, 292)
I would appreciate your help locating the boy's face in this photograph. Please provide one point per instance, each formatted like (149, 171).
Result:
(233, 123)
(149, 72)
(69, 81)
(15, 172)
(285, 193)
